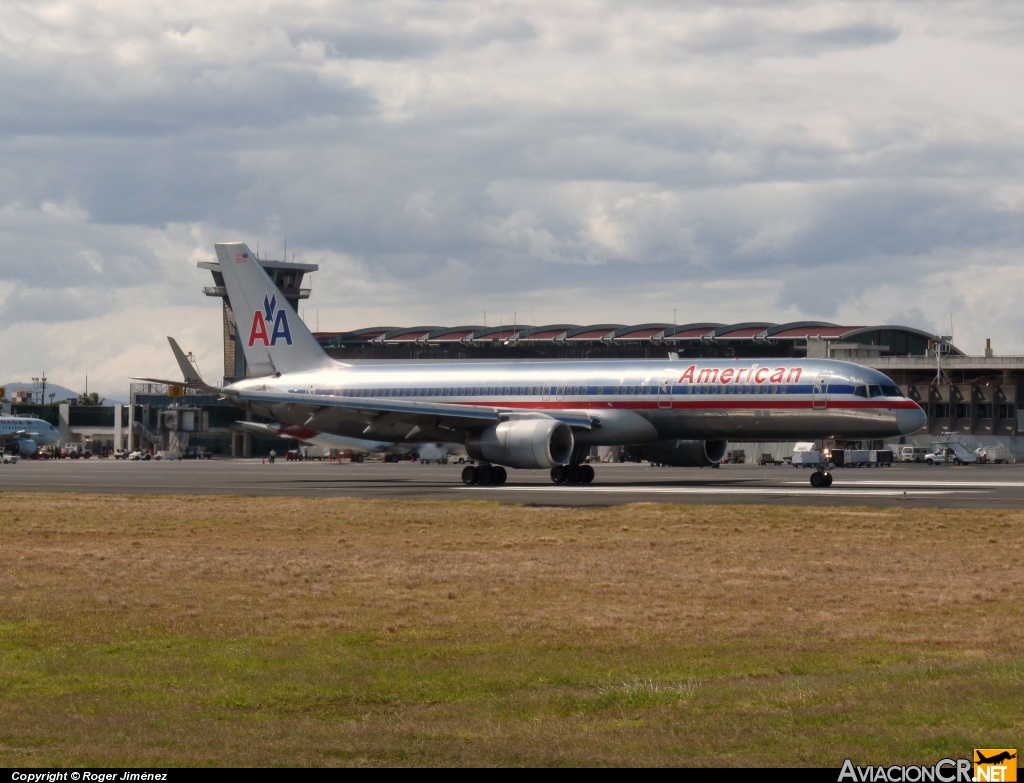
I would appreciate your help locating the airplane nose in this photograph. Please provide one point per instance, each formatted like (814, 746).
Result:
(911, 420)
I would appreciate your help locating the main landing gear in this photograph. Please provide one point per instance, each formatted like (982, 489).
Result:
(485, 475)
(572, 474)
(821, 479)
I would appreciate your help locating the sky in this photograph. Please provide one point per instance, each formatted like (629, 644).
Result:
(580, 162)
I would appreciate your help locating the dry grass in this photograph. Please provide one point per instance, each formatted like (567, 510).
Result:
(176, 630)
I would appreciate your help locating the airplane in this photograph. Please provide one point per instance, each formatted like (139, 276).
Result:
(996, 759)
(23, 435)
(547, 415)
(343, 443)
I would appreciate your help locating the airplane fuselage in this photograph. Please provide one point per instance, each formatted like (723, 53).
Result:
(27, 428)
(629, 401)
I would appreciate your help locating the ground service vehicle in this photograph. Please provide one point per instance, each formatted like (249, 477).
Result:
(912, 453)
(997, 454)
(951, 453)
(545, 415)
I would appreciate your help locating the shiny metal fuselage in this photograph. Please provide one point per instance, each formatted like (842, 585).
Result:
(629, 401)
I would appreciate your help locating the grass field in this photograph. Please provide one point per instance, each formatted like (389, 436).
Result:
(200, 631)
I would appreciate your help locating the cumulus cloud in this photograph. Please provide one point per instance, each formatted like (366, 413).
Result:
(586, 161)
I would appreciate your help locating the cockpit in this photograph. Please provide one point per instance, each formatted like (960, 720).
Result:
(877, 390)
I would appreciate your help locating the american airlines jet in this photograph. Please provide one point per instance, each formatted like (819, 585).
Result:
(547, 415)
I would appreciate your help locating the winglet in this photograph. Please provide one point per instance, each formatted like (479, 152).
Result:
(188, 372)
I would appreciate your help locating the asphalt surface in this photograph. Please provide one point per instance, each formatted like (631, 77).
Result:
(978, 486)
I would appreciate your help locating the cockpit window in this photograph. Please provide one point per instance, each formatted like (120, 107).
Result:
(861, 391)
(874, 391)
(891, 391)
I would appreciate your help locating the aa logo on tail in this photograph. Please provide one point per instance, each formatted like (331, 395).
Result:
(262, 319)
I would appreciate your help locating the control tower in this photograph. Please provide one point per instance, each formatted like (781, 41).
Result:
(288, 279)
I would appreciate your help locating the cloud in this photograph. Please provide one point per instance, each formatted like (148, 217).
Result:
(585, 161)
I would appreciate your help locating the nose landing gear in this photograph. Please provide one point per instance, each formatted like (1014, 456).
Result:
(485, 475)
(821, 479)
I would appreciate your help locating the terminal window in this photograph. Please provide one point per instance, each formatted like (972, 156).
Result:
(1006, 411)
(984, 410)
(940, 410)
(963, 410)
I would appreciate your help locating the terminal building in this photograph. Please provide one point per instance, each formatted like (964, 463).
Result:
(978, 398)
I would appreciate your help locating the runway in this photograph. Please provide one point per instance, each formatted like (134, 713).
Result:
(979, 486)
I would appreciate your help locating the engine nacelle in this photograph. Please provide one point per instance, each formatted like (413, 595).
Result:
(685, 453)
(523, 443)
(23, 447)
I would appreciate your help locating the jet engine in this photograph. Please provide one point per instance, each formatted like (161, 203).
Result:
(684, 453)
(23, 447)
(523, 443)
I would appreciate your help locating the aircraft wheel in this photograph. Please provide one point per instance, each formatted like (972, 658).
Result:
(572, 474)
(827, 480)
(500, 476)
(817, 479)
(586, 474)
(469, 476)
(558, 474)
(485, 475)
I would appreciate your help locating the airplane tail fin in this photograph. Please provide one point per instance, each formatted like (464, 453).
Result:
(273, 337)
(188, 372)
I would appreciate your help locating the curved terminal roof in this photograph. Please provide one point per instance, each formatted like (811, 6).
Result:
(887, 338)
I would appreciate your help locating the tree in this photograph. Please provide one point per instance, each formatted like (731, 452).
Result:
(92, 398)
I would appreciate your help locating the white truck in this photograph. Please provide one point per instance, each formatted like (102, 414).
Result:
(912, 453)
(997, 454)
(951, 452)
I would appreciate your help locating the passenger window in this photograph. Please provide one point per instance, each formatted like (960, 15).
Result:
(874, 391)
(861, 391)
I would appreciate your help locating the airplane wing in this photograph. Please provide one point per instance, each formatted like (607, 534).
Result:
(315, 437)
(393, 418)
(8, 436)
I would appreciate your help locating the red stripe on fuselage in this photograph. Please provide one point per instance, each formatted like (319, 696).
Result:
(702, 405)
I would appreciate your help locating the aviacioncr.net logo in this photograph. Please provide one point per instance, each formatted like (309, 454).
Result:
(262, 319)
(946, 771)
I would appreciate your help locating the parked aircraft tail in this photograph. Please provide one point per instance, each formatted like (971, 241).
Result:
(273, 337)
(188, 372)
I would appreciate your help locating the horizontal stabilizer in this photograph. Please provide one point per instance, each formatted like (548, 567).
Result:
(186, 384)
